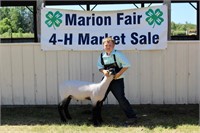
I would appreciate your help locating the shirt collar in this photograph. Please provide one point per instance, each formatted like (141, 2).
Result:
(112, 53)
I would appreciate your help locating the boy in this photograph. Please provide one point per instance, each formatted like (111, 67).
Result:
(112, 58)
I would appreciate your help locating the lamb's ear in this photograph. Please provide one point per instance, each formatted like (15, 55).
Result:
(112, 73)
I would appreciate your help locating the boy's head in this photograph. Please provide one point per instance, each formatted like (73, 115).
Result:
(108, 44)
(108, 39)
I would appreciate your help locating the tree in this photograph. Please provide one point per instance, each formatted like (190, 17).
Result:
(15, 18)
(181, 29)
(5, 25)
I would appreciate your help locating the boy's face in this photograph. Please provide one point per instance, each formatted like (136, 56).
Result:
(108, 46)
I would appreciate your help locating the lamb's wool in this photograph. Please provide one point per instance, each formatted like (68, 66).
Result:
(82, 90)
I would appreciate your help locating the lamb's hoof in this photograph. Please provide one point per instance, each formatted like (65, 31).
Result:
(63, 120)
(90, 119)
(69, 118)
(96, 124)
(101, 121)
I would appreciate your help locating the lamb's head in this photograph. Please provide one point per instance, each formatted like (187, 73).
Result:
(112, 71)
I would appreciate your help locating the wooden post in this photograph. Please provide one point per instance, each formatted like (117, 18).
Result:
(198, 32)
(168, 3)
(38, 19)
(198, 21)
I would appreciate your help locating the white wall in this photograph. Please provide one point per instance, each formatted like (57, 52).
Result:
(29, 76)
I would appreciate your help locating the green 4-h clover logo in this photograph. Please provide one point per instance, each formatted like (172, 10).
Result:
(154, 17)
(53, 19)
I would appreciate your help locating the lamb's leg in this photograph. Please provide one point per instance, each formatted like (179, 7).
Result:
(99, 108)
(63, 109)
(66, 108)
(95, 115)
(62, 112)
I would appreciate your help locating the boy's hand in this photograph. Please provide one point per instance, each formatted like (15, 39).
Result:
(106, 73)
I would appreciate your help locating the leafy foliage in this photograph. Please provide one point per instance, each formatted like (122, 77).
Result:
(182, 29)
(16, 20)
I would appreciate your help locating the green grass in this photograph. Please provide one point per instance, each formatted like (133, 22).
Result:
(152, 118)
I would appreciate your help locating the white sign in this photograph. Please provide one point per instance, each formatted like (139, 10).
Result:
(142, 29)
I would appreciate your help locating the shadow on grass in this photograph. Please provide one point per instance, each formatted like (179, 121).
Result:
(150, 116)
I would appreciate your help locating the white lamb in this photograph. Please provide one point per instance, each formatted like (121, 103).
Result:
(82, 90)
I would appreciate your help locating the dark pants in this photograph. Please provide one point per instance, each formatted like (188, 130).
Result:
(117, 88)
